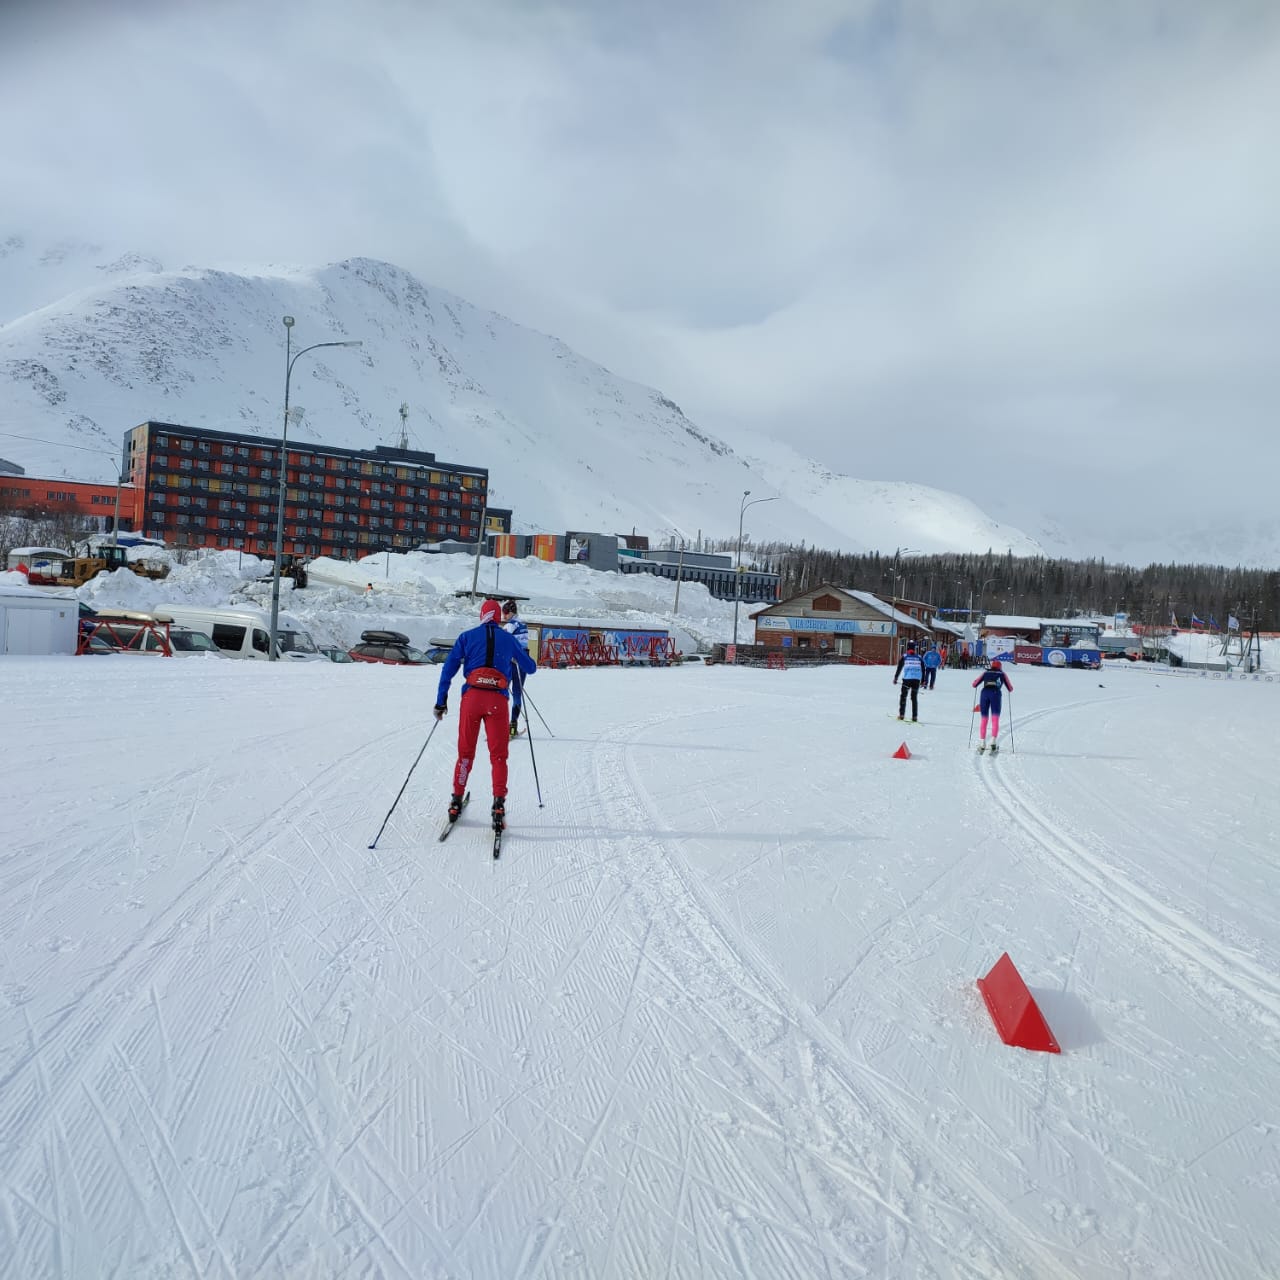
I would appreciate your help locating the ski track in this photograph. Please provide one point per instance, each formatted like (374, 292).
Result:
(1132, 904)
(1182, 1221)
(580, 1061)
(840, 1098)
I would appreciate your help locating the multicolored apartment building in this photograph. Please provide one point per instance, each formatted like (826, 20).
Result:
(204, 488)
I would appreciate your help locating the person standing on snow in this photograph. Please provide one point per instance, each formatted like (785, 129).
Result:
(488, 655)
(994, 682)
(514, 625)
(932, 661)
(911, 669)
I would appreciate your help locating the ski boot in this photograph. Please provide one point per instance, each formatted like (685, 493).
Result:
(514, 731)
(455, 807)
(995, 748)
(499, 813)
(901, 716)
(982, 746)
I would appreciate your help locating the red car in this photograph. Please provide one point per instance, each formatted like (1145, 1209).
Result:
(387, 646)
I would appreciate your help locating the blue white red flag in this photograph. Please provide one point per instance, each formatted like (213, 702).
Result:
(1233, 623)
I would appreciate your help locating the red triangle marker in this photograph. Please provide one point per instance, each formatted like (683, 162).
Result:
(1013, 1009)
(902, 753)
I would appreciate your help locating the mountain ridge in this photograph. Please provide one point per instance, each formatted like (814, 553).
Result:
(569, 444)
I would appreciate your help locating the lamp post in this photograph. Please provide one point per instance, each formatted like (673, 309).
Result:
(897, 577)
(986, 583)
(737, 595)
(290, 359)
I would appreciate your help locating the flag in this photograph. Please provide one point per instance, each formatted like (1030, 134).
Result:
(1233, 623)
(1196, 622)
(1173, 618)
(1213, 622)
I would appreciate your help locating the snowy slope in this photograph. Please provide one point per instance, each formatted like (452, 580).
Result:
(712, 1015)
(569, 445)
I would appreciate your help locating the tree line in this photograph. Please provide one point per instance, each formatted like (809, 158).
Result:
(1036, 586)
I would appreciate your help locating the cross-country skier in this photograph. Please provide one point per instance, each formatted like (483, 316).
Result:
(514, 625)
(994, 682)
(911, 669)
(487, 655)
(932, 661)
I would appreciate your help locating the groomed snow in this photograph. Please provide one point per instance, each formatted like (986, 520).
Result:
(712, 1015)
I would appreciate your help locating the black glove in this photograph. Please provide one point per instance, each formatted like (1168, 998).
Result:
(441, 710)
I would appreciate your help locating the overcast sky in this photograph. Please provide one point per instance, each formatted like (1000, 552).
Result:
(1025, 251)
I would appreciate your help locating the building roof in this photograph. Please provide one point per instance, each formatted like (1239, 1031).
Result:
(1016, 622)
(874, 602)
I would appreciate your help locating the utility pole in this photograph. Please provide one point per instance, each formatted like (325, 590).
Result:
(679, 572)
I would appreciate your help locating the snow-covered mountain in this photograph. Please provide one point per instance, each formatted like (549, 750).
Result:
(96, 341)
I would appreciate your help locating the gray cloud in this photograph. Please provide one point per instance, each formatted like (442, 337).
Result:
(1026, 252)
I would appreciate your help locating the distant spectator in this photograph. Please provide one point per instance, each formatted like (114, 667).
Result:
(932, 661)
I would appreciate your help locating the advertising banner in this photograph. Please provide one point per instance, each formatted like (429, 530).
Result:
(579, 548)
(1028, 654)
(841, 626)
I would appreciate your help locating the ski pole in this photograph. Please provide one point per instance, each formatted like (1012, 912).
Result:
(524, 696)
(529, 734)
(1011, 746)
(971, 714)
(404, 784)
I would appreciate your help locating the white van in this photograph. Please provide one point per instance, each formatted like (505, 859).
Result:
(245, 632)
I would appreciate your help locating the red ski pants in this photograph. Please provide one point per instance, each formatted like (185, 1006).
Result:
(489, 707)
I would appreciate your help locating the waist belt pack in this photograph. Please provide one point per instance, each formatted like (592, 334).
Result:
(488, 676)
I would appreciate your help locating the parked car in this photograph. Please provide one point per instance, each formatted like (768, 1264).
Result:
(389, 647)
(186, 643)
(335, 654)
(437, 653)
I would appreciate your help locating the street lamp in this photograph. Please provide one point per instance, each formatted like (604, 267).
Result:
(737, 595)
(289, 361)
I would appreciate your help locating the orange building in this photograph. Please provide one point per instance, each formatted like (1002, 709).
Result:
(37, 499)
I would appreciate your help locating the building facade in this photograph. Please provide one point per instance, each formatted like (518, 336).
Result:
(38, 499)
(713, 570)
(203, 488)
(841, 623)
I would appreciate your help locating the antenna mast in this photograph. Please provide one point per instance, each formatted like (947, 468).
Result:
(404, 425)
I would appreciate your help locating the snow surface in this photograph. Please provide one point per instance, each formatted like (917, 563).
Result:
(713, 1013)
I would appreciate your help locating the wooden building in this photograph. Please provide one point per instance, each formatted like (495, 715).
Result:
(842, 622)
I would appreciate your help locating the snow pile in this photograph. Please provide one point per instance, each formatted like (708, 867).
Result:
(427, 596)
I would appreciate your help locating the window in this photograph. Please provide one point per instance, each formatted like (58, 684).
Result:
(228, 636)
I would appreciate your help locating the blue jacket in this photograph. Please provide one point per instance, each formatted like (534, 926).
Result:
(470, 650)
(909, 667)
(932, 658)
(518, 628)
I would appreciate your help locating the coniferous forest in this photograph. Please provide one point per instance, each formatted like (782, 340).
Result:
(1038, 586)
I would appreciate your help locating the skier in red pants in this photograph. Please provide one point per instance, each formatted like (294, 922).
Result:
(485, 654)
